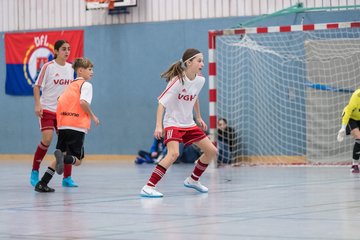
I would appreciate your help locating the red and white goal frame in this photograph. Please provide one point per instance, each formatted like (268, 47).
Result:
(213, 34)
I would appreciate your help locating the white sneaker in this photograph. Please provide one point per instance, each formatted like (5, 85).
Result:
(190, 183)
(150, 192)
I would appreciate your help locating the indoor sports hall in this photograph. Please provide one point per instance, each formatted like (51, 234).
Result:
(279, 103)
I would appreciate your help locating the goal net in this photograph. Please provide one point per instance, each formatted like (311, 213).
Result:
(283, 89)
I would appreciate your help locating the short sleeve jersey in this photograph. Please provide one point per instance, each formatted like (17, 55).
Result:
(53, 79)
(179, 99)
(86, 92)
(352, 110)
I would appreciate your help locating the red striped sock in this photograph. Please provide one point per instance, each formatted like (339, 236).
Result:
(198, 170)
(39, 155)
(156, 175)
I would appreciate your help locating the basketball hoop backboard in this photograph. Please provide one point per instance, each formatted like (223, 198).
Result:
(109, 4)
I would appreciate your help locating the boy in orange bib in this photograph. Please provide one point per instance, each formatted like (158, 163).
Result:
(73, 115)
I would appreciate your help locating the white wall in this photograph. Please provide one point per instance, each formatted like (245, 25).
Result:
(18, 15)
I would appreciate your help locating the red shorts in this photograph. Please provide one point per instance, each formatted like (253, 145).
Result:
(48, 121)
(185, 135)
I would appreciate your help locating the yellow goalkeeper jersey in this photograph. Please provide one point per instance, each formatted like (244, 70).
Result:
(352, 110)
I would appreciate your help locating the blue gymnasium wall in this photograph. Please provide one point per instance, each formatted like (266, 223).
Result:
(128, 60)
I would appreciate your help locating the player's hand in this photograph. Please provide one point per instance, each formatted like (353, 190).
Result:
(158, 133)
(38, 111)
(341, 134)
(96, 120)
(202, 124)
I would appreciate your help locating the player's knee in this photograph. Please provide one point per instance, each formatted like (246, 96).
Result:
(46, 137)
(46, 140)
(77, 162)
(211, 151)
(356, 134)
(356, 151)
(173, 155)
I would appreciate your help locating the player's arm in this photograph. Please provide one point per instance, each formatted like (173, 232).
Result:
(38, 108)
(348, 110)
(40, 83)
(158, 133)
(353, 103)
(198, 115)
(85, 101)
(164, 99)
(86, 107)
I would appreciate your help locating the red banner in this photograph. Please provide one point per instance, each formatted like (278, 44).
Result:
(25, 53)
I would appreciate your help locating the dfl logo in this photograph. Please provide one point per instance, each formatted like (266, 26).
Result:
(39, 53)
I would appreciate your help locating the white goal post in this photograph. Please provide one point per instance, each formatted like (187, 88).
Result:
(283, 90)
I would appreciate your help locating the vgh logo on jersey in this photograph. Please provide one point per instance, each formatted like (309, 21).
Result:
(186, 97)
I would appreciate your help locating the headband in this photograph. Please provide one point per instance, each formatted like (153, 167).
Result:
(192, 57)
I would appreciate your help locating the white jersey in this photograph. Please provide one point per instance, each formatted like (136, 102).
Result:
(53, 79)
(86, 92)
(179, 99)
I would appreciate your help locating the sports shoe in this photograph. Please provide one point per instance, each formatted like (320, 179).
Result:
(355, 169)
(40, 187)
(59, 156)
(69, 182)
(149, 160)
(190, 183)
(139, 160)
(150, 192)
(34, 177)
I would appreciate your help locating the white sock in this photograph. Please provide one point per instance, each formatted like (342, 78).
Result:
(355, 162)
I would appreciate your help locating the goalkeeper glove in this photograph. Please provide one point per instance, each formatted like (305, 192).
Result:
(341, 133)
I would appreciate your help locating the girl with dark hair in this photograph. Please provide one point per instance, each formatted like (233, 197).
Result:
(52, 80)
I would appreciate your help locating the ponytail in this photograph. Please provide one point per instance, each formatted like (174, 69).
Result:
(177, 68)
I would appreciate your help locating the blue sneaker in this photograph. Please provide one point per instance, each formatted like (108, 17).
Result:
(68, 182)
(149, 160)
(139, 160)
(34, 177)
